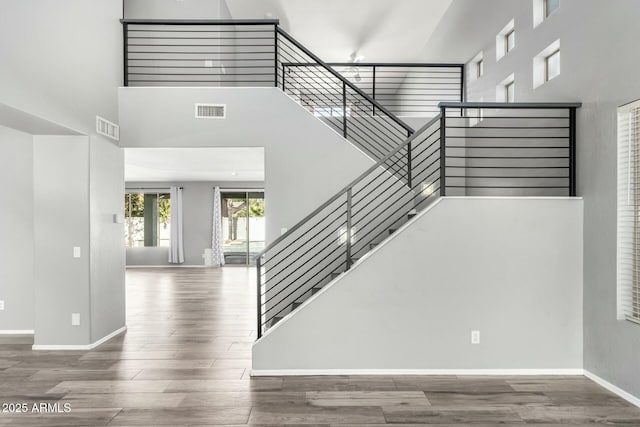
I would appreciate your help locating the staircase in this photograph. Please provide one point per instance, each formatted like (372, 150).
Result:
(468, 149)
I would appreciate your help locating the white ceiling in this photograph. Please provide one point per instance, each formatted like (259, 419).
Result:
(193, 164)
(379, 30)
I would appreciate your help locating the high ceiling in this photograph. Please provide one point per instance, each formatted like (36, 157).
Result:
(193, 164)
(378, 30)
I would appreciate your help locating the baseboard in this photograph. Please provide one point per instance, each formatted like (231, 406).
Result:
(515, 372)
(81, 346)
(612, 388)
(17, 332)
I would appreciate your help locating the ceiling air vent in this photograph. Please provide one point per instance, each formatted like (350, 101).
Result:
(211, 111)
(107, 128)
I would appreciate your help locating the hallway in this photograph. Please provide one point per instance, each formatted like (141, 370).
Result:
(185, 360)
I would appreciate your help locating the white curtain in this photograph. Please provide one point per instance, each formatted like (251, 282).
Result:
(176, 251)
(217, 255)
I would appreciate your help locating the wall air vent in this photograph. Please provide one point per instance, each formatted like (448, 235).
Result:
(211, 111)
(107, 128)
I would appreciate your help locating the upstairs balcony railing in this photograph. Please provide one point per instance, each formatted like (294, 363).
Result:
(258, 53)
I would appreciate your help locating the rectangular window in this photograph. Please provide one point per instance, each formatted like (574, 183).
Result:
(550, 6)
(147, 219)
(628, 251)
(479, 68)
(509, 92)
(552, 65)
(509, 41)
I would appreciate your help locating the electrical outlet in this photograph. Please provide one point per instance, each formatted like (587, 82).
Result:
(75, 319)
(1, 305)
(76, 251)
(475, 337)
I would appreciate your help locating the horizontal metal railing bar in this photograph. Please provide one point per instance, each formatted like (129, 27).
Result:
(156, 37)
(506, 137)
(470, 147)
(202, 59)
(508, 117)
(202, 52)
(507, 157)
(508, 177)
(199, 81)
(263, 67)
(385, 64)
(506, 167)
(267, 30)
(200, 74)
(350, 185)
(511, 105)
(505, 186)
(342, 78)
(200, 21)
(508, 127)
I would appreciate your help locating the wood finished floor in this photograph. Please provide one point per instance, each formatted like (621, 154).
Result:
(185, 360)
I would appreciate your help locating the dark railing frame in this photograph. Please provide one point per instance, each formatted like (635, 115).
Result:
(571, 107)
(375, 65)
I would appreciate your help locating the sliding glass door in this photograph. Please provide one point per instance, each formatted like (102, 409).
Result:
(243, 226)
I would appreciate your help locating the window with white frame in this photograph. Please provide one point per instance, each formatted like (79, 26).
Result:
(546, 64)
(476, 67)
(506, 40)
(510, 92)
(550, 6)
(542, 9)
(506, 90)
(628, 251)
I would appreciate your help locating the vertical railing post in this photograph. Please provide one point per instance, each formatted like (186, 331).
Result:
(125, 50)
(284, 71)
(344, 109)
(275, 56)
(259, 295)
(572, 152)
(409, 158)
(443, 151)
(349, 229)
(374, 89)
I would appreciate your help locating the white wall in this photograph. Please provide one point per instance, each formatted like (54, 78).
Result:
(16, 229)
(599, 68)
(106, 175)
(510, 268)
(61, 222)
(61, 59)
(172, 9)
(305, 161)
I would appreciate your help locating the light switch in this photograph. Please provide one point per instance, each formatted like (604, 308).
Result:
(118, 219)
(76, 251)
(283, 230)
(75, 319)
(1, 305)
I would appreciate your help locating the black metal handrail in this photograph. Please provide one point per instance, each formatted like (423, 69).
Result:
(405, 89)
(408, 179)
(252, 53)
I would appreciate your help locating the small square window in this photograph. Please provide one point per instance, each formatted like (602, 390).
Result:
(479, 68)
(550, 6)
(509, 41)
(509, 92)
(552, 66)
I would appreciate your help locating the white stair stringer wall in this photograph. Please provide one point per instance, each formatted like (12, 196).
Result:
(510, 268)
